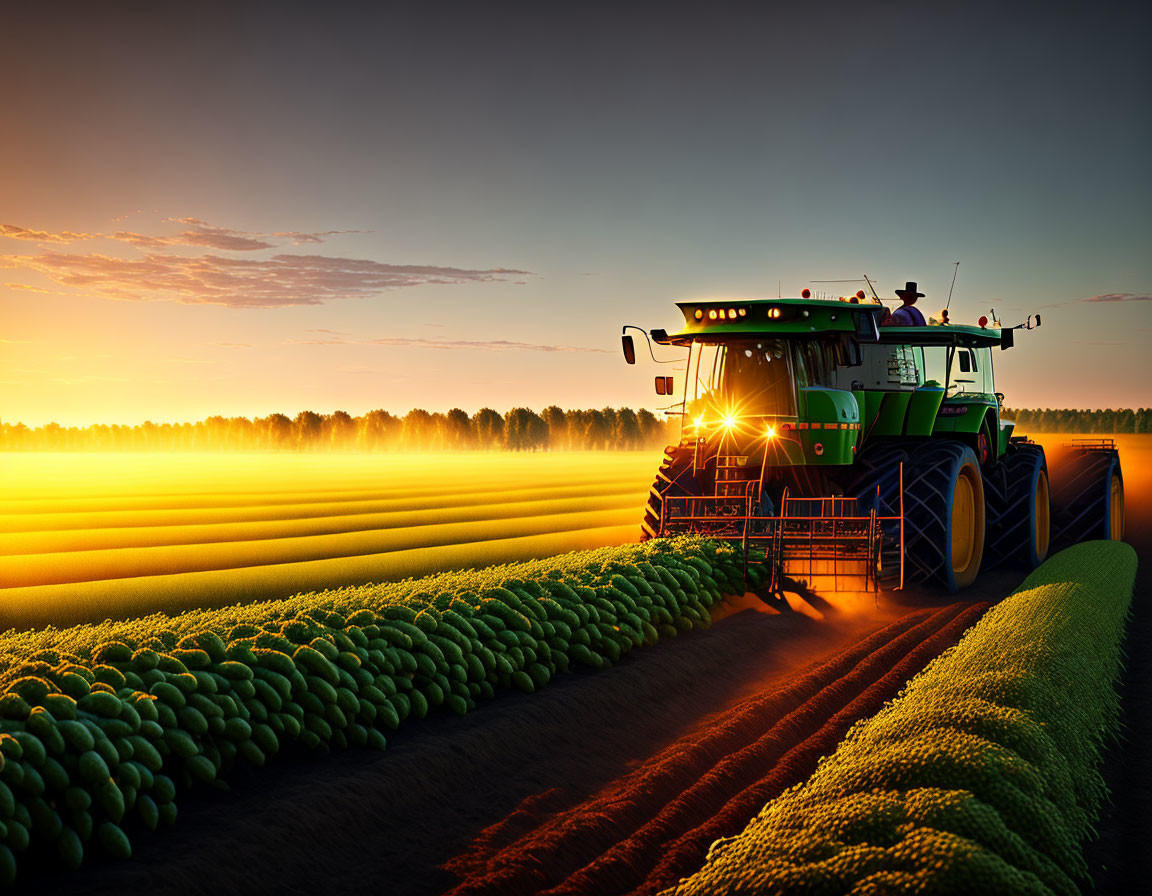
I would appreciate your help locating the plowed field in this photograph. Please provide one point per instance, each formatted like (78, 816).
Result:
(653, 826)
(88, 536)
(532, 775)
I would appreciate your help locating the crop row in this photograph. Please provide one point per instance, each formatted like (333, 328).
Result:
(101, 726)
(655, 824)
(982, 777)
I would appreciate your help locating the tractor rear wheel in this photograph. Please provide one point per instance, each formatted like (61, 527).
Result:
(1019, 508)
(1088, 499)
(944, 515)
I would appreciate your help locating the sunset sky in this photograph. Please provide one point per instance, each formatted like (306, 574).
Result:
(244, 208)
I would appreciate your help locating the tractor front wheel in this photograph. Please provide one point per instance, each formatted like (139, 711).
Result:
(670, 479)
(944, 515)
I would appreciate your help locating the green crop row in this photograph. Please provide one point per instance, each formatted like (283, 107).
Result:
(981, 777)
(101, 726)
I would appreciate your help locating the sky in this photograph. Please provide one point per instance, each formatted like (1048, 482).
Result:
(243, 209)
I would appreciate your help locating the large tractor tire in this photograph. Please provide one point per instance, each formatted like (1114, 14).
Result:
(1087, 498)
(876, 486)
(878, 467)
(1019, 520)
(944, 515)
(670, 478)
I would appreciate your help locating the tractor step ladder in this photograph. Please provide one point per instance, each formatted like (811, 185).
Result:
(730, 482)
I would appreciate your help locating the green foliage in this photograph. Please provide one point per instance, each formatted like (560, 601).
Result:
(521, 429)
(981, 777)
(1124, 420)
(108, 723)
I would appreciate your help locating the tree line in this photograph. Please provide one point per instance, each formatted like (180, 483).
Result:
(1122, 420)
(521, 429)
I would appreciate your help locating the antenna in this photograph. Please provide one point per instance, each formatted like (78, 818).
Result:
(955, 271)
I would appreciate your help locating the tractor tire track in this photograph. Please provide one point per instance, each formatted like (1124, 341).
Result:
(645, 831)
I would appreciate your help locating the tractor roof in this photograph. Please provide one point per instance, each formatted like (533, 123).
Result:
(717, 320)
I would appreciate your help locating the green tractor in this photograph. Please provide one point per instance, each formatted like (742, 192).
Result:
(847, 455)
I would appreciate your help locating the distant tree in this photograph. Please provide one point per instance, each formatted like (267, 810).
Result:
(488, 427)
(597, 431)
(377, 430)
(307, 427)
(458, 430)
(278, 430)
(524, 430)
(627, 430)
(341, 429)
(417, 430)
(557, 422)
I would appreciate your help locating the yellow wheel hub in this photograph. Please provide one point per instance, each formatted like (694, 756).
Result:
(967, 526)
(1043, 524)
(1117, 508)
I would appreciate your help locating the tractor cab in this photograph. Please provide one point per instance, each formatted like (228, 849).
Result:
(809, 382)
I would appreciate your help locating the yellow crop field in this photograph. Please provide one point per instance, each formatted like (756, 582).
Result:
(91, 536)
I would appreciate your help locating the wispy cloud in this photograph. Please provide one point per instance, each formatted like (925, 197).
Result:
(1119, 297)
(12, 232)
(29, 288)
(231, 344)
(318, 237)
(279, 281)
(330, 337)
(197, 233)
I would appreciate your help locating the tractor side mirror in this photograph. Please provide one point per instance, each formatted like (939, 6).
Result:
(664, 385)
(629, 348)
(1007, 338)
(855, 356)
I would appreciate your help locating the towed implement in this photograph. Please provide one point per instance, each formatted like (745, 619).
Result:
(847, 455)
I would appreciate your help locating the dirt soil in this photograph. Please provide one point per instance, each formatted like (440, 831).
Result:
(360, 821)
(1121, 860)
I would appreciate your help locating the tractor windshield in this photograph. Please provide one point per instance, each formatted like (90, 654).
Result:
(745, 378)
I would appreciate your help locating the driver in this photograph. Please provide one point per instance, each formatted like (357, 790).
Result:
(907, 315)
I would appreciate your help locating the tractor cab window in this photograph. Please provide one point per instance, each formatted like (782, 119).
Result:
(886, 368)
(747, 377)
(970, 371)
(936, 364)
(815, 363)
